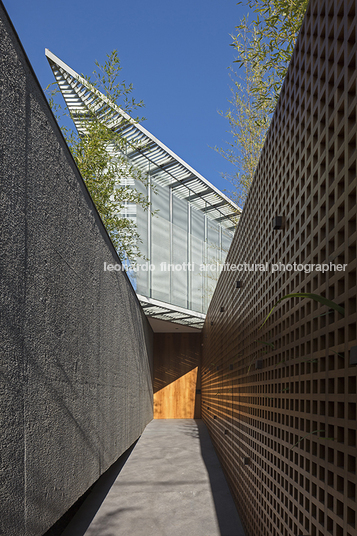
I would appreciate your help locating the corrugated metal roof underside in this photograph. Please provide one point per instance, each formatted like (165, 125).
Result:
(143, 149)
(171, 313)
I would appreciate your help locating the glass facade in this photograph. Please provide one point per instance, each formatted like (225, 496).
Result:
(187, 233)
(182, 246)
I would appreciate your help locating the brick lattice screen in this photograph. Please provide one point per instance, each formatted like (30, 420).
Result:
(304, 387)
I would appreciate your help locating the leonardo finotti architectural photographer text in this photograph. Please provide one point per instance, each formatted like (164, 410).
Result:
(226, 267)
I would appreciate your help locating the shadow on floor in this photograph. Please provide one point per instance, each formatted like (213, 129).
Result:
(79, 523)
(170, 461)
(226, 512)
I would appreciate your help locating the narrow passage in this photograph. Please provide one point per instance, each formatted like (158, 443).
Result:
(171, 484)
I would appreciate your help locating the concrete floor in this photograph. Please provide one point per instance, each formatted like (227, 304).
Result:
(171, 484)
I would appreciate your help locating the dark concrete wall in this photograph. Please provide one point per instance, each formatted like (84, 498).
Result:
(75, 351)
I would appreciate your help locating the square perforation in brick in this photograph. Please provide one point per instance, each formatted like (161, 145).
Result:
(295, 418)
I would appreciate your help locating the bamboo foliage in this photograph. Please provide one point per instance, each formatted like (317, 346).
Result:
(263, 48)
(99, 153)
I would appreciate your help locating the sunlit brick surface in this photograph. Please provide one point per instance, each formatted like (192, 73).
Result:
(306, 386)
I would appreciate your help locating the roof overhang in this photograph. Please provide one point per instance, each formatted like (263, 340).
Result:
(171, 313)
(145, 151)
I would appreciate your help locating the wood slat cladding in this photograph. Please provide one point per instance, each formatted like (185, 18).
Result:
(178, 399)
(176, 380)
(304, 387)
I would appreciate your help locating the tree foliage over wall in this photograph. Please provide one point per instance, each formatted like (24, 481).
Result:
(263, 48)
(100, 152)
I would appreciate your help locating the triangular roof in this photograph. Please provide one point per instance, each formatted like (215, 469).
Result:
(147, 152)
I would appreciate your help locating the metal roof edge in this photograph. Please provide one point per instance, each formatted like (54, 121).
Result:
(173, 308)
(53, 58)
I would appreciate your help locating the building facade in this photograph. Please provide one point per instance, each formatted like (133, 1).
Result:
(190, 232)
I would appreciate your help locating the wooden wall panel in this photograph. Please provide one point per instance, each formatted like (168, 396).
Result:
(178, 399)
(280, 402)
(176, 364)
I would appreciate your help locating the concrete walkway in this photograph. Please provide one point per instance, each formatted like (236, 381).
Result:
(171, 484)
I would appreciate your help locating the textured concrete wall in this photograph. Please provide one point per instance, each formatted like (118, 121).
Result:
(75, 361)
(272, 397)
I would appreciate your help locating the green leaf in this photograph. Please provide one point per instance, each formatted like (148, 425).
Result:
(102, 172)
(339, 355)
(316, 297)
(314, 432)
(324, 314)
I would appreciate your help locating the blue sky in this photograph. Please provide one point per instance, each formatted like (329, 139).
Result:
(176, 54)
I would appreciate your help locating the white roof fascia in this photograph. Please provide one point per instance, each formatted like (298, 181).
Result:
(54, 59)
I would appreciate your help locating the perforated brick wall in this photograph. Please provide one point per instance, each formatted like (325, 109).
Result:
(280, 401)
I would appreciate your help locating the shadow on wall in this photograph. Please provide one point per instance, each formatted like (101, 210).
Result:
(176, 375)
(175, 354)
(178, 400)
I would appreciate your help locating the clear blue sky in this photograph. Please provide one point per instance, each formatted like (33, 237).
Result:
(176, 54)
